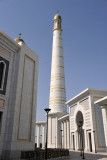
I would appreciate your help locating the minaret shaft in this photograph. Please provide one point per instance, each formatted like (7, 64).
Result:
(57, 87)
(57, 84)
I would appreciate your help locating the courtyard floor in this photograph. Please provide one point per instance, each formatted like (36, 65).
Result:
(88, 156)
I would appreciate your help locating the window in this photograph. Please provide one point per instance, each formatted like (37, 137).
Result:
(1, 115)
(2, 73)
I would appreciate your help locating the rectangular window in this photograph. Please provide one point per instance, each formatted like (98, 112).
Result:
(1, 115)
(2, 73)
(4, 67)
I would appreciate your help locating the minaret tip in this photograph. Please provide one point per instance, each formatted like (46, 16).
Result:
(57, 22)
(18, 40)
(20, 35)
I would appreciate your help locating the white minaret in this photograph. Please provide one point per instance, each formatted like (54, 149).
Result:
(57, 86)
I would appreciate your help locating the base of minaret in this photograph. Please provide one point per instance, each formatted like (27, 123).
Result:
(54, 127)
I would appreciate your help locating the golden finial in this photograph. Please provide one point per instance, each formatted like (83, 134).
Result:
(20, 35)
(19, 39)
(57, 11)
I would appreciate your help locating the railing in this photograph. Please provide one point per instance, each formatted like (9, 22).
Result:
(39, 154)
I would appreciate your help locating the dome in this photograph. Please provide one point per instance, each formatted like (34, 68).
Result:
(18, 40)
(57, 16)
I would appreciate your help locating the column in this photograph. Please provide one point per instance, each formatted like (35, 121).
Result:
(56, 134)
(49, 132)
(43, 136)
(104, 115)
(62, 135)
(85, 138)
(67, 134)
(76, 140)
(38, 136)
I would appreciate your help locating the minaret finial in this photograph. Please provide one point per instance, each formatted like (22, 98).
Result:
(20, 35)
(57, 22)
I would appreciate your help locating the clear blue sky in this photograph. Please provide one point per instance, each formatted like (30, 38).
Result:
(84, 24)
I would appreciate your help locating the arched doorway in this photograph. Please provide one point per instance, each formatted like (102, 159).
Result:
(80, 131)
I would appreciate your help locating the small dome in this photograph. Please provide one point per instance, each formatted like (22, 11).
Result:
(57, 16)
(18, 40)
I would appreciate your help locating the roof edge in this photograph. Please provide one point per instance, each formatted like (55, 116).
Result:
(84, 93)
(15, 45)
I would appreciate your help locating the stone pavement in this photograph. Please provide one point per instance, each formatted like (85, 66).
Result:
(88, 156)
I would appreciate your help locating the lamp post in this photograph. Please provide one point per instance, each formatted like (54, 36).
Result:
(61, 138)
(35, 141)
(80, 125)
(82, 146)
(47, 111)
(55, 142)
(41, 141)
(94, 141)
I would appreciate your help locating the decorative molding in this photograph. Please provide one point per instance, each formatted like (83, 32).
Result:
(57, 56)
(57, 46)
(56, 37)
(57, 66)
(57, 100)
(4, 51)
(56, 88)
(1, 103)
(57, 76)
(7, 43)
(18, 139)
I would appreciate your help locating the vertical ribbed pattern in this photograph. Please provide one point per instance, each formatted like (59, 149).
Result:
(57, 84)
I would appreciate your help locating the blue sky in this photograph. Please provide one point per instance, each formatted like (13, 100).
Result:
(84, 24)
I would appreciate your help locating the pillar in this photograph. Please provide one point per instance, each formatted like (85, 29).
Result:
(104, 115)
(43, 135)
(38, 136)
(62, 135)
(67, 134)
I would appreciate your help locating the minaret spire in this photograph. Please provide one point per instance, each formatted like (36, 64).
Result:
(57, 22)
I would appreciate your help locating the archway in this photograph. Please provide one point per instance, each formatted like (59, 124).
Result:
(80, 131)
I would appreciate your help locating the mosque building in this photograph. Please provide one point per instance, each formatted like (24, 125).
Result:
(18, 96)
(87, 111)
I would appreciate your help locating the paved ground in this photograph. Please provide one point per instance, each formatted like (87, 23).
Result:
(88, 156)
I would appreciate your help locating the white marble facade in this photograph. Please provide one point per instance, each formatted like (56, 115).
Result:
(103, 104)
(18, 102)
(82, 107)
(90, 106)
(41, 134)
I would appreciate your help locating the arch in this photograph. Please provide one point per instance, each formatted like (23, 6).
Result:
(79, 115)
(2, 73)
(77, 109)
(79, 119)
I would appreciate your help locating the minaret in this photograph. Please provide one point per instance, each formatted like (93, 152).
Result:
(57, 84)
(57, 87)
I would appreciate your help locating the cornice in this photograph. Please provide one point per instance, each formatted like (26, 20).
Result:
(8, 43)
(102, 101)
(85, 93)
